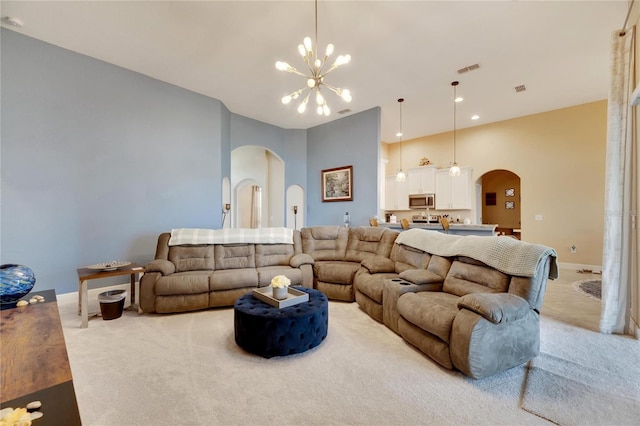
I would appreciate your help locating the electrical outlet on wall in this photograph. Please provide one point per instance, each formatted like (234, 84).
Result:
(573, 248)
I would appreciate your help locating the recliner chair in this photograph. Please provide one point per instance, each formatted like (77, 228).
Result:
(482, 322)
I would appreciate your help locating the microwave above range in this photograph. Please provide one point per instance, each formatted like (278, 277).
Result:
(422, 201)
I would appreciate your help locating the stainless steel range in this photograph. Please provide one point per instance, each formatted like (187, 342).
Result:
(432, 218)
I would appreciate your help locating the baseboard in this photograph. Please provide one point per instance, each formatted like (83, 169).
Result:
(579, 266)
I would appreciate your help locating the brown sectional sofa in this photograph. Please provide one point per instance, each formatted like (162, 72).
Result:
(467, 312)
(192, 277)
(338, 252)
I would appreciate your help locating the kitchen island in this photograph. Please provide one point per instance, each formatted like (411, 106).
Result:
(454, 228)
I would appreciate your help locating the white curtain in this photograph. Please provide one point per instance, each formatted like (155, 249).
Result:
(619, 259)
(256, 206)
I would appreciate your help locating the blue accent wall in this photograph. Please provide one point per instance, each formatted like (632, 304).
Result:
(96, 160)
(350, 141)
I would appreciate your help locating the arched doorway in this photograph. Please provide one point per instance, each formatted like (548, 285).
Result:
(256, 166)
(501, 201)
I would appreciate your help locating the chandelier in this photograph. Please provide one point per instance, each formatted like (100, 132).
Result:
(318, 69)
(455, 169)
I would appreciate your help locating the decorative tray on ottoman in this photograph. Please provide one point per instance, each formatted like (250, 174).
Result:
(293, 297)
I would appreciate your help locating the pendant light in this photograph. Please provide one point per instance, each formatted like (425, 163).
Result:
(455, 169)
(400, 176)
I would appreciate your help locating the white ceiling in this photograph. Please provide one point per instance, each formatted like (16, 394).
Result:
(227, 50)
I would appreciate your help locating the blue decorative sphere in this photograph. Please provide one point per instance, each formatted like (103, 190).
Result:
(15, 282)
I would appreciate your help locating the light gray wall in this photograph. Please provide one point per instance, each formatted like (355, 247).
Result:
(98, 160)
(353, 140)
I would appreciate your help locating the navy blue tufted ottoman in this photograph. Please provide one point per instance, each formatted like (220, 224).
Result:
(269, 331)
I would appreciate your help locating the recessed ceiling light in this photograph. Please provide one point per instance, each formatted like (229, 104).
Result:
(459, 99)
(399, 134)
(14, 22)
(475, 117)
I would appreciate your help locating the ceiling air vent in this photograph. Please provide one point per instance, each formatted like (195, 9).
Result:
(344, 111)
(520, 88)
(468, 68)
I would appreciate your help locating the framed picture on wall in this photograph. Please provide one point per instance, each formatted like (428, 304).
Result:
(337, 184)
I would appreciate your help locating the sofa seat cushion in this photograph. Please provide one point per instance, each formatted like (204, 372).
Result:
(183, 283)
(372, 285)
(266, 274)
(335, 272)
(431, 311)
(233, 278)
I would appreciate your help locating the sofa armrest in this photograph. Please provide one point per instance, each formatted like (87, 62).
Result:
(160, 265)
(378, 264)
(300, 259)
(496, 307)
(420, 276)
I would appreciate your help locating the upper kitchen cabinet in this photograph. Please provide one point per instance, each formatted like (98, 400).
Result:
(396, 194)
(453, 192)
(422, 180)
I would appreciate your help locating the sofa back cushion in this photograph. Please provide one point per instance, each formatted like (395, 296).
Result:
(470, 276)
(439, 265)
(235, 256)
(273, 254)
(325, 242)
(406, 257)
(192, 257)
(367, 241)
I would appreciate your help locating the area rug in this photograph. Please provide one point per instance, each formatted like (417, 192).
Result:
(590, 288)
(568, 393)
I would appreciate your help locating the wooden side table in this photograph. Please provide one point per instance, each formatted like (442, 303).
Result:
(87, 274)
(35, 365)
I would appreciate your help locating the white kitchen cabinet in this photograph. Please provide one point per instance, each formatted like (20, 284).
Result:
(422, 180)
(396, 194)
(453, 192)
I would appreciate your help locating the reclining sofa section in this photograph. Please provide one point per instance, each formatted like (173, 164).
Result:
(470, 303)
(189, 277)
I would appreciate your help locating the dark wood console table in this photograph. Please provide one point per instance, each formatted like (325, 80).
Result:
(35, 365)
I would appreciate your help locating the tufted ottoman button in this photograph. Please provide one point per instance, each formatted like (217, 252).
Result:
(269, 331)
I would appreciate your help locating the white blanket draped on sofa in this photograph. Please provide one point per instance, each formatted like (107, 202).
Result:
(505, 254)
(183, 236)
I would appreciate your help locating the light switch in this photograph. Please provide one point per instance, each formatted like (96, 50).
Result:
(538, 217)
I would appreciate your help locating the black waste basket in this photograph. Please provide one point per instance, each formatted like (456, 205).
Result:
(112, 303)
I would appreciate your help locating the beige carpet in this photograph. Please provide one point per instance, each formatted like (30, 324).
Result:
(584, 378)
(186, 369)
(572, 394)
